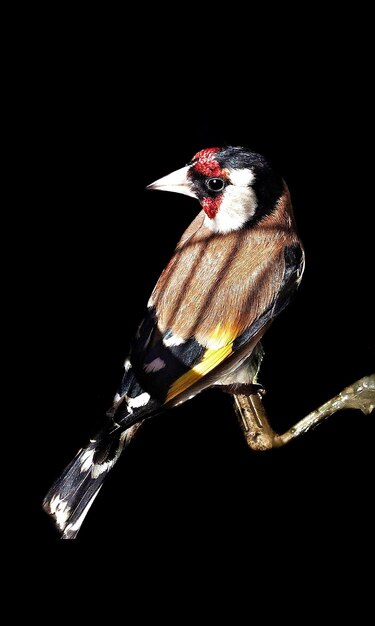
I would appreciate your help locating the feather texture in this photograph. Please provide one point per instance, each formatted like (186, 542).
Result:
(230, 277)
(222, 288)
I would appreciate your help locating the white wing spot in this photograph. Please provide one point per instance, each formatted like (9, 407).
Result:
(155, 365)
(141, 400)
(173, 340)
(127, 365)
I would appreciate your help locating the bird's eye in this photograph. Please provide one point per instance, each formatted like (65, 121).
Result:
(215, 184)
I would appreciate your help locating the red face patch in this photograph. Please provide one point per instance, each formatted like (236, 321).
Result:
(211, 206)
(207, 165)
(205, 154)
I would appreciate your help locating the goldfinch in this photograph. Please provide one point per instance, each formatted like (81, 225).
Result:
(234, 270)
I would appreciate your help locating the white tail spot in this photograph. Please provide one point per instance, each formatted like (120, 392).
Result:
(78, 523)
(60, 509)
(86, 459)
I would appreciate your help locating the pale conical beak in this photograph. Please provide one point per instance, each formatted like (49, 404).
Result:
(178, 182)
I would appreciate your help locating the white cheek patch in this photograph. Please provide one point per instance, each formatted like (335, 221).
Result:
(238, 204)
(241, 178)
(237, 207)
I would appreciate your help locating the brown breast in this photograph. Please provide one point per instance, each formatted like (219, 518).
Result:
(222, 280)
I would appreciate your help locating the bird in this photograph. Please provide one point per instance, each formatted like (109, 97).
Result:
(234, 269)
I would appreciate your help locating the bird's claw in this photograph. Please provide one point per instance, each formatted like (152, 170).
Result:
(251, 389)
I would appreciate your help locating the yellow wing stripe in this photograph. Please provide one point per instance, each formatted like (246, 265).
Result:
(213, 356)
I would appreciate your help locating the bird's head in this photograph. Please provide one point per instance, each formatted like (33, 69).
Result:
(234, 186)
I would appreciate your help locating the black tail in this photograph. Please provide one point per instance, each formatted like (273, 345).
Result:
(71, 496)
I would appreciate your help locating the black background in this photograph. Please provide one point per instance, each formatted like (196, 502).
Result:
(104, 120)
